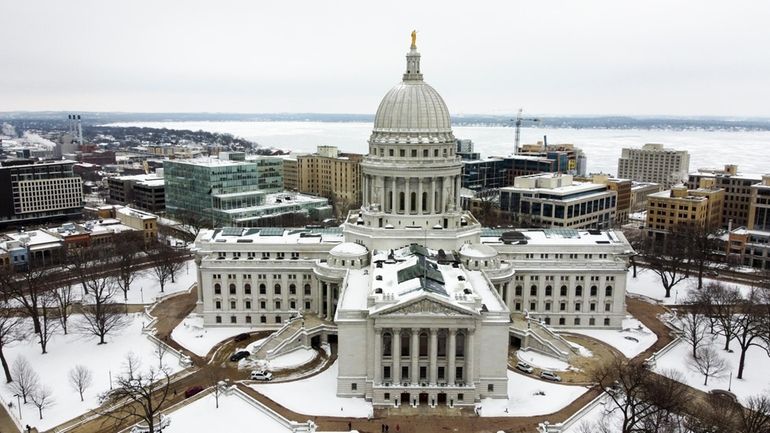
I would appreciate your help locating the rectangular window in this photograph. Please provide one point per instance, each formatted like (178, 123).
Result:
(353, 386)
(491, 387)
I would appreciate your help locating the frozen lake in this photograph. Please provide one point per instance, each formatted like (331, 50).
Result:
(602, 146)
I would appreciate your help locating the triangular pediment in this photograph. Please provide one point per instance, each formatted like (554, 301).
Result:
(426, 305)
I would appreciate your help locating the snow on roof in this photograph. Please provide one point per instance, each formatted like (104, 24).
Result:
(348, 249)
(271, 235)
(478, 250)
(33, 238)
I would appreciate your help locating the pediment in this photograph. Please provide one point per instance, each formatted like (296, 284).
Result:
(426, 306)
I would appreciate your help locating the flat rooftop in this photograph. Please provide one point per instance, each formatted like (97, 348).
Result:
(271, 235)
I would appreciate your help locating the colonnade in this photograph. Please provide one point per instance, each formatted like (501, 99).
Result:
(422, 195)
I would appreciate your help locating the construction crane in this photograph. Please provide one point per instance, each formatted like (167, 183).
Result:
(517, 124)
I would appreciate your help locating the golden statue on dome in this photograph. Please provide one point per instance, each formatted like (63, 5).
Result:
(414, 38)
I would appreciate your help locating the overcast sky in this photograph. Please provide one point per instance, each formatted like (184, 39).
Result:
(551, 57)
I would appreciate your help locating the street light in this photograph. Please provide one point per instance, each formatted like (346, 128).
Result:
(18, 403)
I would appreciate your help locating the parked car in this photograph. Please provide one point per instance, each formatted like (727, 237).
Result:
(237, 356)
(191, 391)
(261, 375)
(241, 337)
(712, 273)
(523, 366)
(550, 375)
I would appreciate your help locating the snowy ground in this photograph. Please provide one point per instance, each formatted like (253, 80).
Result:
(755, 378)
(623, 340)
(191, 334)
(584, 352)
(316, 395)
(293, 359)
(541, 361)
(66, 351)
(528, 396)
(597, 414)
(648, 283)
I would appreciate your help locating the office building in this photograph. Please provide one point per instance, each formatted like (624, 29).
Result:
(654, 163)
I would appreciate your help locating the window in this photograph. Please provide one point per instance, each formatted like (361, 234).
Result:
(217, 288)
(533, 290)
(577, 321)
(460, 347)
(547, 320)
(606, 321)
(594, 290)
(232, 289)
(562, 321)
(563, 291)
(593, 306)
(490, 387)
(218, 305)
(248, 319)
(277, 319)
(577, 306)
(423, 339)
(307, 305)
(247, 289)
(277, 289)
(386, 372)
(262, 289)
(578, 290)
(607, 307)
(277, 304)
(233, 319)
(262, 319)
(548, 291)
(354, 387)
(547, 306)
(292, 289)
(387, 396)
(608, 291)
(218, 319)
(532, 306)
(262, 304)
(518, 290)
(307, 290)
(591, 322)
(460, 396)
(232, 305)
(293, 305)
(562, 306)
(387, 339)
(248, 305)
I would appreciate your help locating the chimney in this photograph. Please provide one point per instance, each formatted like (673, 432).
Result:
(80, 132)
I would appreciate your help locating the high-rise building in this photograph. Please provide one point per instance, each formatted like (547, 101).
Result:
(554, 200)
(654, 163)
(332, 174)
(737, 188)
(35, 192)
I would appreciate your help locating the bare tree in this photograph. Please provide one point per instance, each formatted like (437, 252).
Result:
(724, 304)
(213, 377)
(693, 323)
(750, 327)
(132, 364)
(160, 352)
(640, 397)
(80, 379)
(49, 323)
(166, 262)
(714, 413)
(10, 332)
(25, 380)
(667, 258)
(145, 393)
(25, 285)
(127, 247)
(42, 398)
(101, 315)
(755, 417)
(708, 363)
(702, 245)
(64, 299)
(83, 261)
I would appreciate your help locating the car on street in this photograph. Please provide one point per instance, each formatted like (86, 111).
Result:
(523, 366)
(191, 391)
(237, 356)
(241, 337)
(550, 375)
(261, 375)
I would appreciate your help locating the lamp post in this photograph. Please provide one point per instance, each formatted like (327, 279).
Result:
(730, 383)
(110, 373)
(18, 403)
(141, 293)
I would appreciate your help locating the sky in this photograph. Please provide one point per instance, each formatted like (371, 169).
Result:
(557, 57)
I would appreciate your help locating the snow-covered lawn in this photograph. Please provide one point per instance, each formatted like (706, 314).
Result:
(632, 340)
(755, 380)
(66, 351)
(528, 396)
(193, 336)
(293, 359)
(648, 283)
(541, 361)
(316, 395)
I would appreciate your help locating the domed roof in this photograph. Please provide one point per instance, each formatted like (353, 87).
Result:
(412, 111)
(412, 106)
(348, 249)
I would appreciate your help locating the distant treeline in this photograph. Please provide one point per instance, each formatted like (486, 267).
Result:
(29, 120)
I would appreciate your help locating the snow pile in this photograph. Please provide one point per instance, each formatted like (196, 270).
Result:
(193, 336)
(647, 283)
(755, 378)
(528, 396)
(293, 359)
(316, 395)
(584, 352)
(67, 351)
(632, 340)
(541, 361)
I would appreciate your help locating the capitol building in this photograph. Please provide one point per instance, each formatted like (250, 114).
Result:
(422, 301)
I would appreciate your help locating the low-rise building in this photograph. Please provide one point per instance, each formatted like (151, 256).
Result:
(639, 193)
(680, 207)
(143, 191)
(553, 200)
(333, 174)
(750, 246)
(737, 188)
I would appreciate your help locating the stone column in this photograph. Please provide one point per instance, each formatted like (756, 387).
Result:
(367, 191)
(393, 196)
(329, 302)
(396, 355)
(433, 355)
(407, 201)
(446, 193)
(377, 356)
(432, 198)
(415, 355)
(470, 351)
(451, 357)
(419, 196)
(458, 185)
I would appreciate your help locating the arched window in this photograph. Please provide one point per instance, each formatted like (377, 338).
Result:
(563, 291)
(292, 289)
(401, 201)
(578, 290)
(232, 289)
(548, 291)
(262, 289)
(217, 289)
(307, 290)
(277, 289)
(387, 340)
(519, 289)
(424, 201)
(247, 289)
(608, 291)
(405, 346)
(533, 290)
(594, 290)
(412, 201)
(460, 344)
(277, 305)
(442, 336)
(423, 343)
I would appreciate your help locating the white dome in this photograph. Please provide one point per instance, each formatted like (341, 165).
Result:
(478, 251)
(412, 106)
(348, 249)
